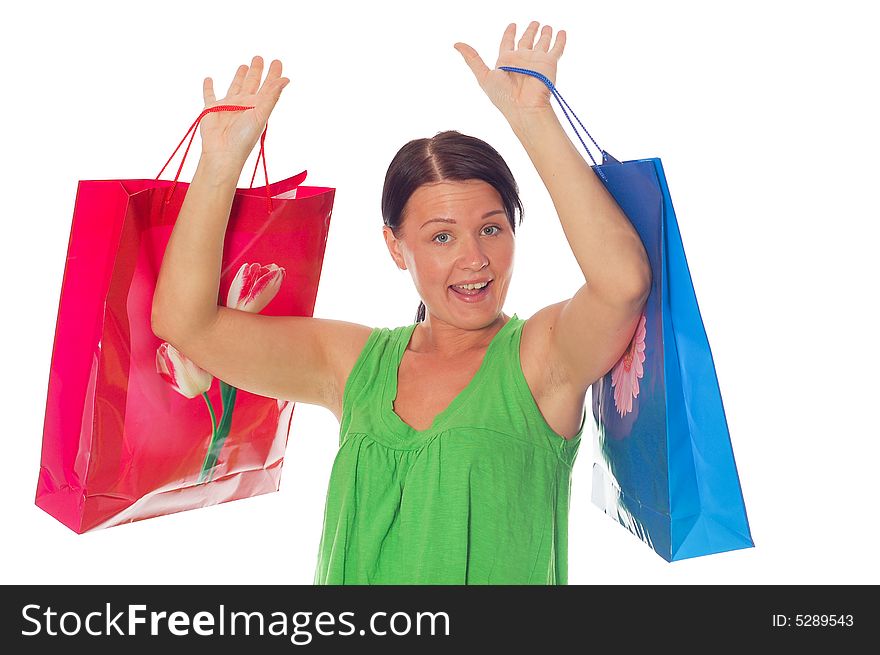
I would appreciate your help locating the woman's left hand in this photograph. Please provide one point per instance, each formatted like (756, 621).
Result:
(516, 94)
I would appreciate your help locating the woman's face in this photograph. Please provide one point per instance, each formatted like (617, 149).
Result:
(456, 233)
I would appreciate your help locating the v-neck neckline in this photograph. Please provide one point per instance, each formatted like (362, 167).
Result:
(393, 420)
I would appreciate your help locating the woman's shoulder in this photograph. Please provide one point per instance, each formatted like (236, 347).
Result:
(535, 349)
(346, 342)
(560, 404)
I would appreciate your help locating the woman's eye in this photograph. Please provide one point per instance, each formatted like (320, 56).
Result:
(446, 234)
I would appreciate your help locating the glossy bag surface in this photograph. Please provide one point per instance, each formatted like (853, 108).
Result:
(663, 461)
(133, 429)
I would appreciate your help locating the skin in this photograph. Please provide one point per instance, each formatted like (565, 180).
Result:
(438, 254)
(565, 346)
(451, 326)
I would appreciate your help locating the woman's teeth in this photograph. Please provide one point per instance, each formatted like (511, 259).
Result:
(475, 291)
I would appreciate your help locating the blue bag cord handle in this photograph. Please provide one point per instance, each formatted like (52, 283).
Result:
(606, 158)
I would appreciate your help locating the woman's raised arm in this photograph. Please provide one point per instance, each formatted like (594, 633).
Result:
(186, 293)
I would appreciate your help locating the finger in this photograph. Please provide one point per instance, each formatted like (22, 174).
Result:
(474, 61)
(208, 91)
(237, 81)
(559, 46)
(271, 88)
(507, 39)
(543, 43)
(273, 74)
(252, 79)
(528, 37)
(268, 96)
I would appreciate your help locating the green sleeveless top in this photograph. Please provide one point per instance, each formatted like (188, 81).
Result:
(480, 497)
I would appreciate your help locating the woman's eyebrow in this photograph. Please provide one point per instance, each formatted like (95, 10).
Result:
(452, 220)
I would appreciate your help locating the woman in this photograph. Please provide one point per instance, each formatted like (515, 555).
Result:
(458, 432)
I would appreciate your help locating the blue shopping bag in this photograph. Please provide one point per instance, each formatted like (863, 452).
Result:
(664, 466)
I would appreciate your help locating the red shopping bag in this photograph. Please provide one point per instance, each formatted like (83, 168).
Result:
(133, 429)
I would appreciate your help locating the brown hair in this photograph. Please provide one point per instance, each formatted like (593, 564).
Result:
(448, 156)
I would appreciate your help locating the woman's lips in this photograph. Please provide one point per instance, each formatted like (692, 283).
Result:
(470, 296)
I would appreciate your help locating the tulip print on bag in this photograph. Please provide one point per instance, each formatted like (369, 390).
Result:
(125, 437)
(182, 374)
(188, 380)
(252, 289)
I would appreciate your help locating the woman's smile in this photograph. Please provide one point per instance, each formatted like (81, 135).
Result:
(476, 292)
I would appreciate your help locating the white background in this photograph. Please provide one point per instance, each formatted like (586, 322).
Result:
(761, 112)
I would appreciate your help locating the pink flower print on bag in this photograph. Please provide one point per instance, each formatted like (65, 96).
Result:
(181, 372)
(188, 379)
(254, 287)
(626, 373)
(121, 442)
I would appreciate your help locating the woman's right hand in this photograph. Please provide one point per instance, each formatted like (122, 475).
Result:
(232, 135)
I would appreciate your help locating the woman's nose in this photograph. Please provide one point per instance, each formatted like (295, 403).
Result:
(472, 256)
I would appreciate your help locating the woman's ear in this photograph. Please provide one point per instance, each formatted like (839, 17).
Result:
(394, 247)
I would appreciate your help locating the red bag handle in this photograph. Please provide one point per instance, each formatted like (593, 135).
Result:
(261, 156)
